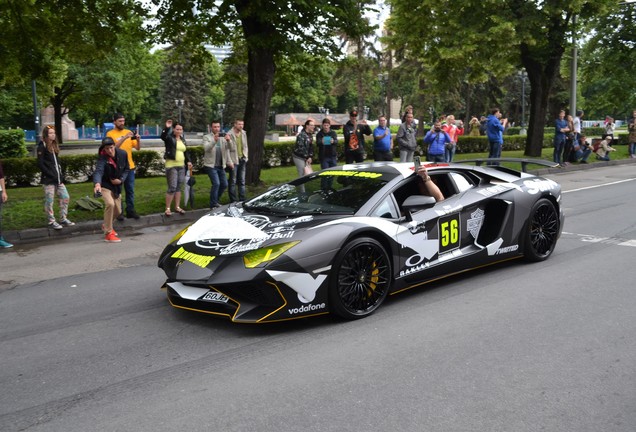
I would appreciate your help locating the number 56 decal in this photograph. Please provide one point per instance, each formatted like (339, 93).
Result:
(449, 233)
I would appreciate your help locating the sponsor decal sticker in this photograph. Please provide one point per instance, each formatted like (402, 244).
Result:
(303, 283)
(351, 174)
(307, 308)
(496, 189)
(199, 260)
(539, 185)
(475, 222)
(294, 221)
(415, 269)
(506, 249)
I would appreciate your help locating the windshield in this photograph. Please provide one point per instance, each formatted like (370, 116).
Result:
(326, 192)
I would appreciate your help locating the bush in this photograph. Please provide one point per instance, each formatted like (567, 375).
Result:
(593, 131)
(12, 144)
(148, 163)
(21, 171)
(622, 138)
(470, 144)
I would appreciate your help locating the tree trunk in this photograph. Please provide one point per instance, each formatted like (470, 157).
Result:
(360, 72)
(57, 115)
(538, 109)
(541, 81)
(261, 69)
(260, 87)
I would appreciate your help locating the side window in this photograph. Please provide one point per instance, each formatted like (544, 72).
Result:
(386, 209)
(461, 182)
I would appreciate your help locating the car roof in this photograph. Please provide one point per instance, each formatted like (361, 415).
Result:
(404, 169)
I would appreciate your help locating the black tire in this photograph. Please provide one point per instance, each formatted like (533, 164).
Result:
(542, 231)
(360, 278)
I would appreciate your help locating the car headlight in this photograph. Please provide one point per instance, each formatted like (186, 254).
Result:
(263, 255)
(180, 234)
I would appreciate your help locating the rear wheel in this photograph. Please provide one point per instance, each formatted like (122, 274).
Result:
(542, 231)
(361, 278)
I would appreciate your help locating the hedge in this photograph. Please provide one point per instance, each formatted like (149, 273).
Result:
(12, 144)
(23, 171)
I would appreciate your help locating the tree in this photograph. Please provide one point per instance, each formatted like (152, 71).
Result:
(185, 79)
(271, 30)
(608, 62)
(36, 43)
(474, 42)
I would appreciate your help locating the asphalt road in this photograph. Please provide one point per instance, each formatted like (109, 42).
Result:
(89, 343)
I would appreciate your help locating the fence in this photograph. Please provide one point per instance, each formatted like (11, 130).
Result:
(97, 133)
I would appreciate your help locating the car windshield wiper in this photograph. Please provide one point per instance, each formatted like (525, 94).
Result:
(324, 212)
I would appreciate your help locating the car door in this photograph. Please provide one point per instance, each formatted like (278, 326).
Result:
(435, 239)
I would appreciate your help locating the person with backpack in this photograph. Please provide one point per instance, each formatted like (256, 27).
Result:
(603, 149)
(354, 132)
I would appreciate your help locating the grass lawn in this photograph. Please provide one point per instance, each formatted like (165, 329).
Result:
(25, 208)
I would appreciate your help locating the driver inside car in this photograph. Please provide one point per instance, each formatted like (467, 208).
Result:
(427, 186)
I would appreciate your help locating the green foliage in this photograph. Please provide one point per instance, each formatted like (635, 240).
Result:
(607, 63)
(303, 84)
(16, 107)
(33, 39)
(235, 87)
(479, 144)
(22, 171)
(12, 143)
(466, 44)
(186, 78)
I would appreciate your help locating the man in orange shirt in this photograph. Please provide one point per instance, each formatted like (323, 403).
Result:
(126, 140)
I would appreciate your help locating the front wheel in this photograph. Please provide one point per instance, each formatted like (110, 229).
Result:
(542, 231)
(361, 278)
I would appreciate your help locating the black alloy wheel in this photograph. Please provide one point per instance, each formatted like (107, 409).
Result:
(542, 231)
(361, 278)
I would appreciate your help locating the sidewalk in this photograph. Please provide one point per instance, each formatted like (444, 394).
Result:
(95, 227)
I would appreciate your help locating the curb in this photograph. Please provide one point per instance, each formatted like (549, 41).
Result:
(33, 235)
(580, 167)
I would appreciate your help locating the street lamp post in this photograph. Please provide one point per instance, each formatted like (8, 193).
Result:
(272, 114)
(35, 110)
(523, 75)
(382, 77)
(366, 112)
(221, 108)
(179, 103)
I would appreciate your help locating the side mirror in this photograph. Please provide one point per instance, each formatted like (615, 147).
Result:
(417, 202)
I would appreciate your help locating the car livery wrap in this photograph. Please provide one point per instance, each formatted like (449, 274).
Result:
(342, 239)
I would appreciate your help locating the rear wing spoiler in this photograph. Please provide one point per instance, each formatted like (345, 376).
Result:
(523, 161)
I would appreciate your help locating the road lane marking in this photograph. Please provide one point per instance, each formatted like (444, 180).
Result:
(598, 185)
(588, 238)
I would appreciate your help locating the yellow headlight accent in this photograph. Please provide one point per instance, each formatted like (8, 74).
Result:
(270, 253)
(180, 234)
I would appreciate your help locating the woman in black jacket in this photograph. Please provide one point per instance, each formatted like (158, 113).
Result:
(48, 152)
